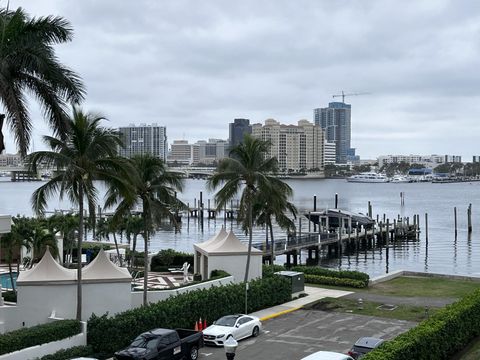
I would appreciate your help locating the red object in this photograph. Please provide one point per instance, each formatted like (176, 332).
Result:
(200, 325)
(196, 326)
(204, 324)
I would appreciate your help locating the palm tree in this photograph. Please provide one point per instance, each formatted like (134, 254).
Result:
(154, 187)
(88, 154)
(28, 64)
(249, 167)
(272, 202)
(133, 227)
(67, 225)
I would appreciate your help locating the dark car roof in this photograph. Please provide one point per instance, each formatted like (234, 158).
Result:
(369, 342)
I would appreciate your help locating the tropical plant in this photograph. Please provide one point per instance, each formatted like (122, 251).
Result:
(105, 227)
(249, 167)
(154, 187)
(67, 225)
(28, 64)
(272, 203)
(88, 154)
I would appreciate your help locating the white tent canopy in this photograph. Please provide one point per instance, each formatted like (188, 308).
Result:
(101, 269)
(226, 252)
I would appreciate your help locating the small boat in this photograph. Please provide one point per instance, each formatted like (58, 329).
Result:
(370, 177)
(400, 179)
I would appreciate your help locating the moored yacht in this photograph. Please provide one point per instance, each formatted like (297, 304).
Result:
(400, 179)
(370, 177)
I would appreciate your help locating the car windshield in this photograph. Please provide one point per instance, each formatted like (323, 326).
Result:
(144, 342)
(227, 321)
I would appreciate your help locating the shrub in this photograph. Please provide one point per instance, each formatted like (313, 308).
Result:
(36, 335)
(197, 277)
(170, 258)
(66, 354)
(448, 331)
(10, 296)
(327, 280)
(183, 310)
(268, 270)
(347, 274)
(217, 274)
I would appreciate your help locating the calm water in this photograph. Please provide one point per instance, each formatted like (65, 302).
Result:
(442, 254)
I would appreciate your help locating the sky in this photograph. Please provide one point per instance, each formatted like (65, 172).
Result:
(194, 66)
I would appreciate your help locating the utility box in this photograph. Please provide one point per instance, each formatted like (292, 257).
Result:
(5, 224)
(297, 280)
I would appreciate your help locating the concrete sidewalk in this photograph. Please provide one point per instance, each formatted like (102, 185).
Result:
(313, 294)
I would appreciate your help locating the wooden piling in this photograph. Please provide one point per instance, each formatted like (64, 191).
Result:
(336, 201)
(469, 216)
(388, 231)
(426, 226)
(455, 219)
(315, 209)
(369, 209)
(394, 235)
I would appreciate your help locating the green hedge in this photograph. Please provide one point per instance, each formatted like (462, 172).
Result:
(269, 270)
(346, 274)
(10, 296)
(170, 258)
(327, 280)
(36, 335)
(67, 354)
(217, 274)
(439, 338)
(183, 310)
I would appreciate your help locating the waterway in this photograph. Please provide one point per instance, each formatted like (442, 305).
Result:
(443, 253)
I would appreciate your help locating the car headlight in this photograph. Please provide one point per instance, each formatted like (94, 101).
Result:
(220, 336)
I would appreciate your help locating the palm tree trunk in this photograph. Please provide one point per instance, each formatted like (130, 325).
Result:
(11, 274)
(118, 250)
(250, 236)
(145, 258)
(79, 254)
(2, 144)
(272, 250)
(134, 247)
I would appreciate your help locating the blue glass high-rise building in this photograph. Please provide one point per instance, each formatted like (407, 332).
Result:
(336, 123)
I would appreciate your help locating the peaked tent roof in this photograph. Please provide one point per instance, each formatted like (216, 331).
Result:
(101, 268)
(213, 240)
(47, 270)
(229, 245)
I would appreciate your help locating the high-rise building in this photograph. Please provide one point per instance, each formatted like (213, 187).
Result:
(183, 153)
(211, 151)
(336, 123)
(329, 153)
(296, 147)
(237, 131)
(144, 139)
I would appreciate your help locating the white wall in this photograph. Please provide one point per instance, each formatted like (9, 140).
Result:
(38, 351)
(36, 303)
(235, 266)
(8, 319)
(160, 295)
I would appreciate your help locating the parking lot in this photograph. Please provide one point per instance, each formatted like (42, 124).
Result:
(302, 332)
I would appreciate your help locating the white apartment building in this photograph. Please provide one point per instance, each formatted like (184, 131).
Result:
(296, 147)
(430, 161)
(10, 160)
(329, 153)
(183, 153)
(144, 139)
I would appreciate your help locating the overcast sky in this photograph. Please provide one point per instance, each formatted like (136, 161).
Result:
(194, 66)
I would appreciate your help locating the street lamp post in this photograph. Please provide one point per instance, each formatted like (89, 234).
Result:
(230, 347)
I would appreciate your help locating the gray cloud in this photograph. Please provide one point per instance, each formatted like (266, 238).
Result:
(194, 66)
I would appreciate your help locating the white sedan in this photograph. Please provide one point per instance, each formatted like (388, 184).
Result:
(236, 326)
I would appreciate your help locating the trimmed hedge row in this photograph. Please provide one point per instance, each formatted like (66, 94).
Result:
(327, 280)
(67, 354)
(346, 274)
(169, 258)
(447, 332)
(183, 310)
(36, 335)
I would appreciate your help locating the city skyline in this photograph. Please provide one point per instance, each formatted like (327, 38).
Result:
(194, 68)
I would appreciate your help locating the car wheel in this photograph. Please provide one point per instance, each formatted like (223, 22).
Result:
(193, 353)
(255, 331)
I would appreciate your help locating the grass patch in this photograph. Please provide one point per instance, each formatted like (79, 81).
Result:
(402, 312)
(416, 286)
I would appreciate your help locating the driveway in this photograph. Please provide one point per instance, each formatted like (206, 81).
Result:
(302, 332)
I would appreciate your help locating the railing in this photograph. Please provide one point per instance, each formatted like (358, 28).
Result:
(294, 242)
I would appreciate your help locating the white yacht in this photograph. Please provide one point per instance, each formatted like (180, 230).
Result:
(369, 177)
(400, 179)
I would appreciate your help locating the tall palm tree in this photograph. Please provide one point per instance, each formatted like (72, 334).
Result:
(67, 225)
(87, 154)
(248, 169)
(154, 187)
(272, 203)
(28, 64)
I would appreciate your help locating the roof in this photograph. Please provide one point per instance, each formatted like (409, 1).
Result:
(225, 245)
(102, 269)
(217, 237)
(47, 271)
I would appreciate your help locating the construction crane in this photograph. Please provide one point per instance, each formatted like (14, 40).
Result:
(351, 94)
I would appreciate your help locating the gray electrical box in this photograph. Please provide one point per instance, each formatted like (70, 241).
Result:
(297, 280)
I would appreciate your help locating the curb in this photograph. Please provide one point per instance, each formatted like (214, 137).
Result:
(280, 313)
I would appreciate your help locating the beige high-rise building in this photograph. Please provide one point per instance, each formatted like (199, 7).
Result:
(296, 147)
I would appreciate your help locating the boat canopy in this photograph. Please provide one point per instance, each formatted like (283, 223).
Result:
(334, 215)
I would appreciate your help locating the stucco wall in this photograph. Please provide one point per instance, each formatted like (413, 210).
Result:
(235, 266)
(36, 352)
(156, 296)
(8, 319)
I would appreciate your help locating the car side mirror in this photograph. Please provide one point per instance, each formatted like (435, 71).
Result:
(237, 326)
